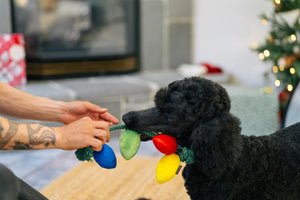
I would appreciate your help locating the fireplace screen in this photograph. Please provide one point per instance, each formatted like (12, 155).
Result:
(77, 37)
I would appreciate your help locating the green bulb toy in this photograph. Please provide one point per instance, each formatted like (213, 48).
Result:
(129, 144)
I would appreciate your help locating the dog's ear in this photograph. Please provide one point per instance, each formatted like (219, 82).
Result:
(217, 145)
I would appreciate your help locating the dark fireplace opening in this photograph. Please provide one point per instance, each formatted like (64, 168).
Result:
(71, 38)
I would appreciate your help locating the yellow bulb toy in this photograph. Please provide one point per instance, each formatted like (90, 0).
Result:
(167, 167)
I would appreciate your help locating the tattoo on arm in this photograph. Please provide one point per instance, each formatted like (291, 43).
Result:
(5, 136)
(21, 146)
(36, 136)
(40, 135)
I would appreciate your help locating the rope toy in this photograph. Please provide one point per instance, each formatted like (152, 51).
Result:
(168, 166)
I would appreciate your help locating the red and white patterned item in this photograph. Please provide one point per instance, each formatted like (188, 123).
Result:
(12, 59)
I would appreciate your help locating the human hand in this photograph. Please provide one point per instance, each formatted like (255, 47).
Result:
(82, 133)
(77, 109)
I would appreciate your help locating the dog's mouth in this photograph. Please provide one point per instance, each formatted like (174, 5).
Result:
(152, 120)
(146, 132)
(148, 120)
(150, 130)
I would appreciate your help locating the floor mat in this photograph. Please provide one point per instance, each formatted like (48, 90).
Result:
(130, 180)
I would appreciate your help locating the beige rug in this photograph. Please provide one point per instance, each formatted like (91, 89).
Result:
(130, 180)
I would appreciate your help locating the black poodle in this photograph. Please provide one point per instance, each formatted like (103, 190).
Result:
(228, 165)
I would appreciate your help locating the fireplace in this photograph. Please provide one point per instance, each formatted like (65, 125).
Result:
(71, 38)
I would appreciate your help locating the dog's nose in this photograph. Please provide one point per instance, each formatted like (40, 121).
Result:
(130, 119)
(125, 118)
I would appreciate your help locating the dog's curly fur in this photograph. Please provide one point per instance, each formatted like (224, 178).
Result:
(228, 165)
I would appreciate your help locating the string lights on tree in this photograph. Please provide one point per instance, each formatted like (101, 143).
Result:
(282, 47)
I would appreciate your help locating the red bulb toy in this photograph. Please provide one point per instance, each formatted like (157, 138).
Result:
(166, 144)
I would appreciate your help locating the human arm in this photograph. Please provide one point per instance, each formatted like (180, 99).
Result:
(78, 134)
(17, 103)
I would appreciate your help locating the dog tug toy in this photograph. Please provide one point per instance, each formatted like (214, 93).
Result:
(168, 166)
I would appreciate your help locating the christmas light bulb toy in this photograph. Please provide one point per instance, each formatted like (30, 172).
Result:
(167, 168)
(129, 144)
(166, 144)
(106, 158)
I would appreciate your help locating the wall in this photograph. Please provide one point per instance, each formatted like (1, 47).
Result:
(5, 26)
(166, 34)
(224, 32)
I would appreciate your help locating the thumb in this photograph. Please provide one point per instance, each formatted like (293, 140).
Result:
(96, 144)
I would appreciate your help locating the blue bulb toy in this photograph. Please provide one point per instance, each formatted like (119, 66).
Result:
(106, 158)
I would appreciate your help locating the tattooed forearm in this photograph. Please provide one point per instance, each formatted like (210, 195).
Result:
(40, 135)
(6, 136)
(14, 135)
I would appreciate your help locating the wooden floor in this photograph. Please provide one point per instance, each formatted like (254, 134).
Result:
(39, 167)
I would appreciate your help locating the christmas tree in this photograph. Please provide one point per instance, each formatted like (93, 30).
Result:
(282, 49)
